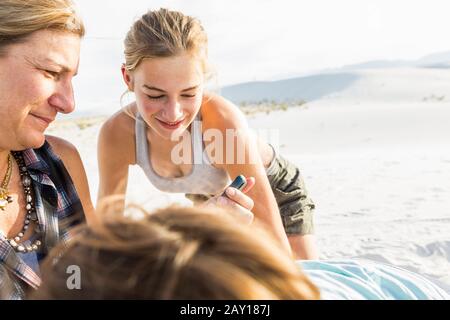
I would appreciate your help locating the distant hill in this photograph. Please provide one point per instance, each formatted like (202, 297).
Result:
(363, 80)
(432, 60)
(441, 58)
(297, 89)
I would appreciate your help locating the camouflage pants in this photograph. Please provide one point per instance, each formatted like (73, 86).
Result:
(296, 208)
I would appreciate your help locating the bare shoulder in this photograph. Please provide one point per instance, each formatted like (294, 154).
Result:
(220, 113)
(219, 116)
(121, 124)
(117, 134)
(63, 149)
(68, 153)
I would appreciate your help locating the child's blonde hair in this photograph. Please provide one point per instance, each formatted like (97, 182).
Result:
(165, 33)
(175, 253)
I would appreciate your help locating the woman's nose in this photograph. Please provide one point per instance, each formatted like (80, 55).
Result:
(63, 98)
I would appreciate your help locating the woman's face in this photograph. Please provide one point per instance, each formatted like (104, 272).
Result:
(36, 84)
(168, 92)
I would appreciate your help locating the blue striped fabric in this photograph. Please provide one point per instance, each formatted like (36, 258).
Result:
(369, 280)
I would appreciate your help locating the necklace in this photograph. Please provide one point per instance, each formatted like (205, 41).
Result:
(31, 210)
(5, 198)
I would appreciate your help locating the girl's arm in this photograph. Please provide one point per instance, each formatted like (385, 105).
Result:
(221, 116)
(116, 151)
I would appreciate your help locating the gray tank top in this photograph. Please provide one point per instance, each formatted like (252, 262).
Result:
(203, 178)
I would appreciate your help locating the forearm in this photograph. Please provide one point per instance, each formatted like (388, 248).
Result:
(111, 192)
(270, 217)
(304, 247)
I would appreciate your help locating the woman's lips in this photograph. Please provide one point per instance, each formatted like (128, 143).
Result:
(170, 125)
(43, 119)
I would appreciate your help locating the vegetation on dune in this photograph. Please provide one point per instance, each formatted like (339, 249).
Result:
(267, 106)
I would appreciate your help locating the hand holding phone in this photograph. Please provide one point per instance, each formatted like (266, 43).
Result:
(239, 204)
(238, 183)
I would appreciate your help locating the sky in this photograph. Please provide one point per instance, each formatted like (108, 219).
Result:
(267, 39)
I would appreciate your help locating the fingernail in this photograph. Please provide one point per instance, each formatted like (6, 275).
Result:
(231, 192)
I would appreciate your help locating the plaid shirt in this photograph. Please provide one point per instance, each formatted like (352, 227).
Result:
(58, 208)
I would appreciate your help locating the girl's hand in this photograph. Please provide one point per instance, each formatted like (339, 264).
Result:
(236, 202)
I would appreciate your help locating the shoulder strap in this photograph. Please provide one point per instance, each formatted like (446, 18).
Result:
(197, 139)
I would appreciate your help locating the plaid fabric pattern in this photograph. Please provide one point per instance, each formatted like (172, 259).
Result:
(58, 208)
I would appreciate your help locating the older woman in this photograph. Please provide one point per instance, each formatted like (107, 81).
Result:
(44, 189)
(43, 185)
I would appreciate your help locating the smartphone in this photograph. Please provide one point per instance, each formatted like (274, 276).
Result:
(239, 183)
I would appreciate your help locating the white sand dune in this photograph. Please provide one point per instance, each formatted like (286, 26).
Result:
(376, 159)
(374, 85)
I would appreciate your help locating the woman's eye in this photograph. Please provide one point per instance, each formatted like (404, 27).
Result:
(188, 95)
(155, 97)
(52, 74)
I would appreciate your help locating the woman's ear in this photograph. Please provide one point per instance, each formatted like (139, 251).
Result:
(127, 78)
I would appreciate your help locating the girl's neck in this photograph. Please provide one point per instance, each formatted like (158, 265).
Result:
(160, 143)
(163, 143)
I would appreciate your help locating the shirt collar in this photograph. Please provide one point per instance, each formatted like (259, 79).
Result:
(34, 162)
(40, 171)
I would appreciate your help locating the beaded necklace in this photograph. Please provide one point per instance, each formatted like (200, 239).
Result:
(31, 215)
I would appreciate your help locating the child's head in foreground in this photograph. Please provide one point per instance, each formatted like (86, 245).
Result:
(174, 253)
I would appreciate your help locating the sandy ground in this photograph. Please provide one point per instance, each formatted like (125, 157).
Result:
(378, 171)
(381, 186)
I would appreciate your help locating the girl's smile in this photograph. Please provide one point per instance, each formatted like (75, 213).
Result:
(171, 125)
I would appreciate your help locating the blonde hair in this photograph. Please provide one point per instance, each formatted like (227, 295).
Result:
(19, 19)
(164, 33)
(174, 253)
